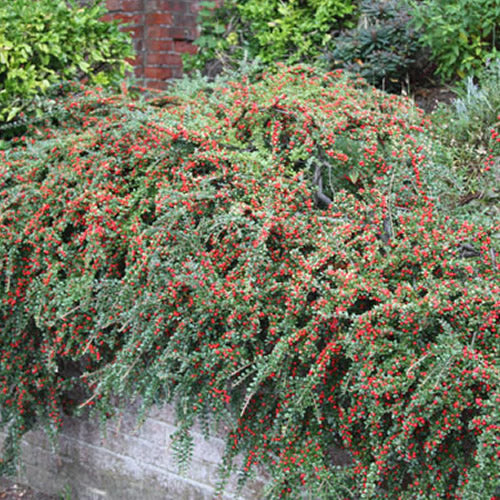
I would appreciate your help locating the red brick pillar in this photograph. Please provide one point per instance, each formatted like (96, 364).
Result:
(170, 31)
(162, 30)
(131, 13)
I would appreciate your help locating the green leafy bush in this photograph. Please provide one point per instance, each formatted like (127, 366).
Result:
(217, 42)
(271, 31)
(462, 35)
(264, 255)
(293, 30)
(383, 48)
(42, 43)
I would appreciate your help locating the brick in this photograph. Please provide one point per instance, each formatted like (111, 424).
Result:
(152, 427)
(114, 4)
(163, 58)
(156, 84)
(173, 60)
(133, 5)
(130, 19)
(171, 5)
(136, 31)
(135, 61)
(158, 18)
(157, 73)
(163, 32)
(185, 33)
(153, 58)
(138, 45)
(128, 462)
(155, 45)
(181, 19)
(165, 413)
(185, 47)
(180, 5)
(107, 18)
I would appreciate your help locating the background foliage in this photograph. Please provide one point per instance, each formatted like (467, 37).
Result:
(383, 48)
(466, 131)
(462, 35)
(270, 31)
(392, 44)
(269, 254)
(45, 42)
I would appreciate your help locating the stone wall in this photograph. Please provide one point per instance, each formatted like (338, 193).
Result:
(124, 462)
(162, 31)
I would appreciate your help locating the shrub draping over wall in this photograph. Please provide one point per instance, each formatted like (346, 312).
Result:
(266, 255)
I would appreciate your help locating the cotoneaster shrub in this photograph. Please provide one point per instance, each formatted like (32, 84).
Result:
(45, 42)
(263, 255)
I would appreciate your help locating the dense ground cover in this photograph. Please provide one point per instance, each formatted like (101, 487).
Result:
(274, 253)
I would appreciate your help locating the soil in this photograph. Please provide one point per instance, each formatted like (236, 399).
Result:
(429, 98)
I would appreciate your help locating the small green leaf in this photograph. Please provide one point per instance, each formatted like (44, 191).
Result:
(13, 112)
(353, 176)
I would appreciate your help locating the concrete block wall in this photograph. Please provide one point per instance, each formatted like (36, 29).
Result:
(124, 462)
(162, 30)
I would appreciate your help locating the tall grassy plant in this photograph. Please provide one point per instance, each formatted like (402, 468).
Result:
(467, 130)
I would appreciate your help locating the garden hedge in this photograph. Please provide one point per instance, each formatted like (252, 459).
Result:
(264, 254)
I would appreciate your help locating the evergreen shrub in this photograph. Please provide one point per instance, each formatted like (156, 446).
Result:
(384, 47)
(264, 255)
(271, 31)
(462, 35)
(46, 42)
